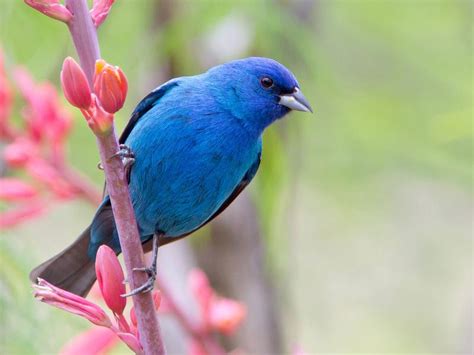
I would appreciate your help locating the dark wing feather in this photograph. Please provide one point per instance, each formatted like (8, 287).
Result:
(145, 105)
(249, 175)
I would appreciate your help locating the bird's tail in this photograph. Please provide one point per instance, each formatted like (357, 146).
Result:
(72, 269)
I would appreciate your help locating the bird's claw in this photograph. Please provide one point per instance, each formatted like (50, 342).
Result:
(125, 153)
(148, 285)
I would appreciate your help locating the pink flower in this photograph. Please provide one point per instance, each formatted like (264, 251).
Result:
(202, 290)
(19, 152)
(47, 174)
(110, 278)
(226, 315)
(218, 313)
(51, 8)
(47, 120)
(196, 348)
(22, 213)
(100, 10)
(95, 341)
(12, 189)
(54, 296)
(6, 101)
(75, 85)
(110, 86)
(131, 341)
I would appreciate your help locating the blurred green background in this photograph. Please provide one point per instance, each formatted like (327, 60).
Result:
(366, 206)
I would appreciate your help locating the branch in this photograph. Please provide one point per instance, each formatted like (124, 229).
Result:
(84, 37)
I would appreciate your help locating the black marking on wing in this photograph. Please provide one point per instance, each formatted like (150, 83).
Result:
(145, 105)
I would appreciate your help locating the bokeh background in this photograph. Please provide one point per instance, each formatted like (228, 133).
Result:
(356, 236)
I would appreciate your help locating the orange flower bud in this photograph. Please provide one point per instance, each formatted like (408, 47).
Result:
(75, 85)
(110, 278)
(110, 86)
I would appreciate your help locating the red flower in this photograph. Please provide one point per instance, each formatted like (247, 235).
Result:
(110, 86)
(46, 120)
(110, 278)
(202, 290)
(22, 213)
(12, 189)
(218, 313)
(5, 101)
(226, 315)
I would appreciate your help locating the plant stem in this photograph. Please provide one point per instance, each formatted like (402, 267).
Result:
(84, 37)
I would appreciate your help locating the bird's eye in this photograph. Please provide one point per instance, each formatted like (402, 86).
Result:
(266, 82)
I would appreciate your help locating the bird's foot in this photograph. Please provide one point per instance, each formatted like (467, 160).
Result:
(148, 285)
(150, 271)
(126, 154)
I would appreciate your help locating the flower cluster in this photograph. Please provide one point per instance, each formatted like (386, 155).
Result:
(110, 279)
(218, 314)
(35, 150)
(56, 10)
(110, 91)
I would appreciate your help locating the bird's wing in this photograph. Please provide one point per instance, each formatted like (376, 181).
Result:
(249, 175)
(146, 104)
(143, 107)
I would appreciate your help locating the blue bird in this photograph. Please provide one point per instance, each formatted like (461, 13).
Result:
(197, 143)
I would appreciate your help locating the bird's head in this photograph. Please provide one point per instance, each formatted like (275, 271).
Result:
(257, 90)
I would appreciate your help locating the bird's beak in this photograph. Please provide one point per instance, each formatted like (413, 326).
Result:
(296, 101)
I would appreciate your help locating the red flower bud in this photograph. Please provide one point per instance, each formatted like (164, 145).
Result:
(110, 278)
(110, 86)
(75, 85)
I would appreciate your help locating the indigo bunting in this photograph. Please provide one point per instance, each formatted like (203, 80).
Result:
(197, 144)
